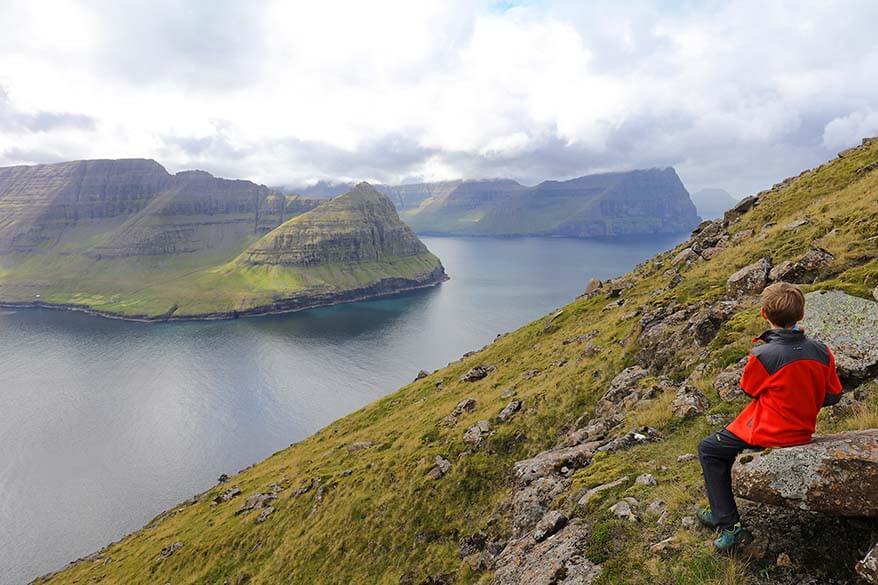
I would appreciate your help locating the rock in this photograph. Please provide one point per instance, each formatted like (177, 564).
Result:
(227, 495)
(472, 544)
(686, 457)
(750, 279)
(631, 438)
(705, 324)
(657, 507)
(421, 375)
(169, 550)
(531, 502)
(551, 461)
(559, 560)
(441, 467)
(474, 434)
(595, 430)
(551, 523)
(477, 373)
(314, 483)
(591, 493)
(509, 410)
(589, 350)
(646, 479)
(624, 391)
(793, 225)
(259, 500)
(743, 206)
(689, 402)
(593, 287)
(784, 560)
(358, 446)
(530, 374)
(686, 256)
(617, 286)
(222, 478)
(508, 393)
(622, 509)
(875, 293)
(263, 516)
(728, 382)
(836, 474)
(805, 269)
(868, 567)
(848, 325)
(689, 523)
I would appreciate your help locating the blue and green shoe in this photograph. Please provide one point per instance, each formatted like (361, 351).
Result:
(731, 538)
(705, 516)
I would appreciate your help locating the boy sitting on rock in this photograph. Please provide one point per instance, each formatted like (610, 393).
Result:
(790, 377)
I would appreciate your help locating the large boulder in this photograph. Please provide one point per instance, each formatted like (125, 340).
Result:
(849, 326)
(750, 279)
(805, 269)
(836, 474)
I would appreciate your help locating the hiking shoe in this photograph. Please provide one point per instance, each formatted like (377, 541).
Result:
(730, 538)
(705, 516)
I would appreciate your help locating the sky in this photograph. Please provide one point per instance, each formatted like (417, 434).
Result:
(736, 95)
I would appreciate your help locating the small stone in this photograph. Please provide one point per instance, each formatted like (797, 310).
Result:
(689, 523)
(222, 478)
(263, 516)
(793, 225)
(508, 393)
(593, 287)
(227, 495)
(686, 457)
(551, 523)
(509, 410)
(646, 479)
(421, 375)
(784, 560)
(657, 507)
(441, 467)
(477, 373)
(475, 433)
(358, 446)
(689, 402)
(170, 549)
(622, 509)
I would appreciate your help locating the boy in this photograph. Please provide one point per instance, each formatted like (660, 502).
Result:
(790, 377)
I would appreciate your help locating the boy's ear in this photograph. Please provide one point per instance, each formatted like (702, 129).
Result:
(762, 312)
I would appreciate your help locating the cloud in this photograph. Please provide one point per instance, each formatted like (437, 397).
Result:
(735, 95)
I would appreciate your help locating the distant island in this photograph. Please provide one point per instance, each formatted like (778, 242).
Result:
(126, 239)
(713, 203)
(632, 203)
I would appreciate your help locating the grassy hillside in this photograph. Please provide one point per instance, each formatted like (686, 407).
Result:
(355, 503)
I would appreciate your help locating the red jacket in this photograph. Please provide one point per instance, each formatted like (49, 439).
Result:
(790, 377)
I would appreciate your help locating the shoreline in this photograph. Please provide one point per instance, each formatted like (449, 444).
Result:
(381, 289)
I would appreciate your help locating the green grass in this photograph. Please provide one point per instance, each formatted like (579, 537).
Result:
(386, 521)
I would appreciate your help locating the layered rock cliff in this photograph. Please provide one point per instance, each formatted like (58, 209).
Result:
(359, 226)
(126, 238)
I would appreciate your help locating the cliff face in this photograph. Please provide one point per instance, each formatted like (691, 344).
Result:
(612, 204)
(126, 237)
(359, 226)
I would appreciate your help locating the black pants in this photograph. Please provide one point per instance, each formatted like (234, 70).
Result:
(717, 453)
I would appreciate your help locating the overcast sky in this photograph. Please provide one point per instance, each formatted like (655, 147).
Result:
(735, 95)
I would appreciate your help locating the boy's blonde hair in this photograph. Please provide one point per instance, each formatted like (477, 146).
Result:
(783, 303)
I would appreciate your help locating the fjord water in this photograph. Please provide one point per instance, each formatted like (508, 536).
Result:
(104, 424)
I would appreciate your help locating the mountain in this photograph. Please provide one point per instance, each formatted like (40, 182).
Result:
(563, 452)
(642, 202)
(712, 203)
(650, 201)
(125, 238)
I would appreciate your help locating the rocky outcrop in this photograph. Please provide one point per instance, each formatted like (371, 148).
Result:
(558, 560)
(847, 324)
(836, 474)
(750, 279)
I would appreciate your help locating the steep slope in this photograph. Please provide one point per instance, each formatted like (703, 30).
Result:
(444, 480)
(712, 203)
(611, 204)
(127, 239)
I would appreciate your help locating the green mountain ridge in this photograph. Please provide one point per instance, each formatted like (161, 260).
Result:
(124, 238)
(517, 463)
